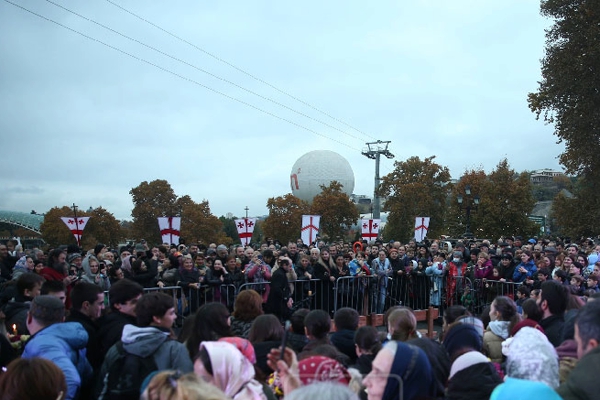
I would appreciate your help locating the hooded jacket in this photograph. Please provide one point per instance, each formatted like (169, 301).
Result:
(16, 313)
(63, 344)
(143, 342)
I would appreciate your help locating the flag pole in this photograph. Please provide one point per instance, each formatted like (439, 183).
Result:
(76, 225)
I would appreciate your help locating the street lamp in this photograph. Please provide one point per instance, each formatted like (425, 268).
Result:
(470, 203)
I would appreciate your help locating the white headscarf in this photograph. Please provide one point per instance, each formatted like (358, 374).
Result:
(232, 372)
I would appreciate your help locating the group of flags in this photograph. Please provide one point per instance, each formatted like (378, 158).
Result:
(170, 228)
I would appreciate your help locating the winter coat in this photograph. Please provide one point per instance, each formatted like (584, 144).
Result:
(475, 382)
(486, 271)
(143, 342)
(436, 272)
(493, 337)
(519, 277)
(94, 353)
(111, 328)
(582, 383)
(16, 314)
(343, 340)
(63, 344)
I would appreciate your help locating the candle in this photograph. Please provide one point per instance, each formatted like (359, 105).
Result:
(14, 329)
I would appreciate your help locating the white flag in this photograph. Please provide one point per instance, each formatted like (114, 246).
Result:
(370, 228)
(310, 228)
(245, 228)
(170, 229)
(421, 228)
(76, 226)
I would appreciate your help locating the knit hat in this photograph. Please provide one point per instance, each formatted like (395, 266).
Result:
(221, 247)
(47, 309)
(321, 369)
(530, 356)
(462, 337)
(466, 360)
(72, 257)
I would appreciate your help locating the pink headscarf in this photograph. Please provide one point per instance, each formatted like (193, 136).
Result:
(232, 372)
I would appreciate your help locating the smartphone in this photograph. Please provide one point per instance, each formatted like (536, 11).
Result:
(288, 324)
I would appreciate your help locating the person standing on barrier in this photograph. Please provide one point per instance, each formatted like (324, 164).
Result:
(382, 269)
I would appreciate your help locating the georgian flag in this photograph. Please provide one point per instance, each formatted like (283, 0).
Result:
(245, 228)
(170, 229)
(370, 228)
(310, 228)
(421, 228)
(76, 226)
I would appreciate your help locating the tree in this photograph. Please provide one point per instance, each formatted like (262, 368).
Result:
(198, 224)
(102, 227)
(229, 228)
(336, 209)
(568, 94)
(415, 188)
(506, 198)
(285, 217)
(150, 201)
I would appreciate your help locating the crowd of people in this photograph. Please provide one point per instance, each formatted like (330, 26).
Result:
(272, 321)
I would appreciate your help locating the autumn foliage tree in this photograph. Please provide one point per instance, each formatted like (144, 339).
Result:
(285, 217)
(338, 213)
(157, 199)
(415, 188)
(102, 227)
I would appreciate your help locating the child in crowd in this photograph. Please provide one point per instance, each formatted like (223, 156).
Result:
(576, 285)
(592, 282)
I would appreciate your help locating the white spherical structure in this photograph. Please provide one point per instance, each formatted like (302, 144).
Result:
(320, 167)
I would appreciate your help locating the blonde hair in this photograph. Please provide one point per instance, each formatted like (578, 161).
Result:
(171, 385)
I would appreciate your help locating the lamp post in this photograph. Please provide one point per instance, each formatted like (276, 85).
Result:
(470, 203)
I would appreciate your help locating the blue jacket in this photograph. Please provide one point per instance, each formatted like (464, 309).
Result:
(64, 344)
(519, 277)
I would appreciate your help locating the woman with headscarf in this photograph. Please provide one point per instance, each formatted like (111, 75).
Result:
(224, 366)
(409, 363)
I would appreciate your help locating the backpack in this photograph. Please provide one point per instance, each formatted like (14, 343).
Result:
(125, 376)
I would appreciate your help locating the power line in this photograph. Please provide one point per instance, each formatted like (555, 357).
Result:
(238, 69)
(178, 75)
(200, 69)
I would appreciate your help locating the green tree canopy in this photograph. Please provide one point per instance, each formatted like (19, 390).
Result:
(415, 188)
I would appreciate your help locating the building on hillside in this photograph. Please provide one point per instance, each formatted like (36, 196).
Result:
(544, 175)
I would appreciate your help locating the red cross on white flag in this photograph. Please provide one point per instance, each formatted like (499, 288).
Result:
(421, 228)
(170, 229)
(245, 228)
(310, 228)
(370, 228)
(76, 226)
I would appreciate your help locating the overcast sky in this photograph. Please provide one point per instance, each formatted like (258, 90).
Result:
(82, 123)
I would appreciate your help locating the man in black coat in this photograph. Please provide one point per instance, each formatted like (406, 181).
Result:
(87, 303)
(279, 301)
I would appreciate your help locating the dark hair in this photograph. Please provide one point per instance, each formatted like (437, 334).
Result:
(52, 260)
(524, 290)
(346, 318)
(507, 309)
(265, 328)
(544, 271)
(123, 291)
(32, 379)
(562, 275)
(154, 304)
(317, 323)
(83, 292)
(210, 323)
(404, 324)
(28, 281)
(204, 358)
(53, 287)
(136, 266)
(367, 339)
(297, 320)
(556, 296)
(588, 322)
(454, 312)
(532, 309)
(248, 305)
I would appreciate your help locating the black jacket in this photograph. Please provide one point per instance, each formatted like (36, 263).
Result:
(111, 328)
(343, 340)
(553, 328)
(94, 353)
(279, 294)
(475, 382)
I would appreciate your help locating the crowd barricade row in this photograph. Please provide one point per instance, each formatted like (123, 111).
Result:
(368, 295)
